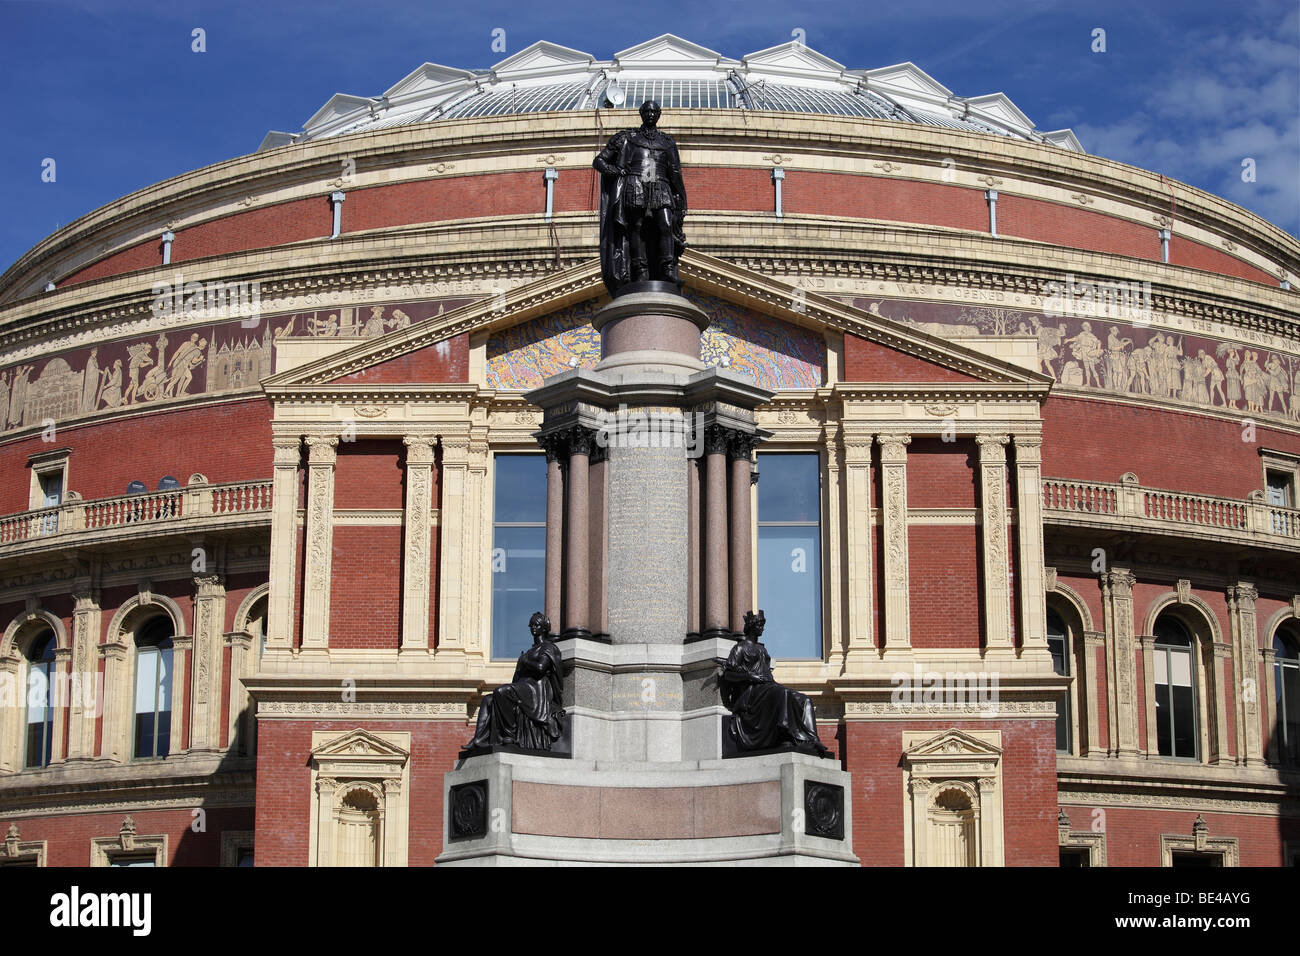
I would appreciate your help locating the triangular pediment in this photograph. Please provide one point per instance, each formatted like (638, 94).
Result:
(405, 360)
(666, 50)
(426, 77)
(907, 78)
(952, 743)
(359, 744)
(541, 59)
(792, 59)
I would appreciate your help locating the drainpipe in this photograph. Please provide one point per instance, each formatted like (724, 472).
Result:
(778, 176)
(336, 199)
(1164, 244)
(168, 237)
(549, 177)
(992, 196)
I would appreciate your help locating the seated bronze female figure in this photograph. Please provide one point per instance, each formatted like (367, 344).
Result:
(766, 715)
(528, 711)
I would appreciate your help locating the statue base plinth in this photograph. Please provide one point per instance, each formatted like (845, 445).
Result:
(782, 809)
(652, 328)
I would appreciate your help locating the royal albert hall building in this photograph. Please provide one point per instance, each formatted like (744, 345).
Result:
(274, 514)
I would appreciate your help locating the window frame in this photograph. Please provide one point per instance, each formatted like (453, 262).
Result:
(52, 644)
(1287, 751)
(757, 525)
(1192, 647)
(140, 629)
(1068, 698)
(492, 548)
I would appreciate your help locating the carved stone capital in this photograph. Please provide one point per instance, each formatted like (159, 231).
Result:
(893, 448)
(716, 440)
(993, 448)
(1120, 580)
(1243, 594)
(419, 449)
(741, 445)
(288, 451)
(322, 449)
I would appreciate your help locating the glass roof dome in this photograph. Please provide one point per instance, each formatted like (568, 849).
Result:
(679, 75)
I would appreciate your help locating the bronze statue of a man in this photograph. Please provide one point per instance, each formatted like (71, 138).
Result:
(642, 205)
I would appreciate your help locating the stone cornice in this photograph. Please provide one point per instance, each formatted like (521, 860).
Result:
(849, 141)
(834, 255)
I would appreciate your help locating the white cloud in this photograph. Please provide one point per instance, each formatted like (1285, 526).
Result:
(1232, 96)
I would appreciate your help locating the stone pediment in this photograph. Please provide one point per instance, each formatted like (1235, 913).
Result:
(888, 351)
(359, 745)
(953, 744)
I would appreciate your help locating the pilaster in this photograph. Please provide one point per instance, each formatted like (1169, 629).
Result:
(1244, 629)
(284, 540)
(893, 477)
(995, 557)
(86, 623)
(417, 538)
(209, 618)
(321, 455)
(858, 523)
(1117, 598)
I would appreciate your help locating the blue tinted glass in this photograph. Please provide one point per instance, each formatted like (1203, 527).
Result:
(520, 488)
(790, 589)
(518, 585)
(788, 487)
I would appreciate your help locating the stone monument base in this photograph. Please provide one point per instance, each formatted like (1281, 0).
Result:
(515, 809)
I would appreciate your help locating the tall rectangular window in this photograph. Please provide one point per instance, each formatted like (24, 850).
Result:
(790, 554)
(518, 551)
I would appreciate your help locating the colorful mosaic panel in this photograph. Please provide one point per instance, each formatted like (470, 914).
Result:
(770, 353)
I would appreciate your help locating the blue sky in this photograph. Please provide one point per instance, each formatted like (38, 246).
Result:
(112, 92)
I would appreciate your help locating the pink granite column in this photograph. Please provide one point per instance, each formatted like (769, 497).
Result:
(554, 528)
(715, 533)
(693, 545)
(577, 605)
(741, 569)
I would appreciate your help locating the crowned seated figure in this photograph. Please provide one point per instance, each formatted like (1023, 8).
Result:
(765, 715)
(527, 712)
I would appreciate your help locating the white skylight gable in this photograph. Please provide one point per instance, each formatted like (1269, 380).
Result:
(908, 80)
(426, 77)
(339, 106)
(542, 59)
(1000, 108)
(667, 51)
(793, 59)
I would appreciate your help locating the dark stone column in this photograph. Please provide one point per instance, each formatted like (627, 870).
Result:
(577, 603)
(554, 526)
(739, 449)
(716, 578)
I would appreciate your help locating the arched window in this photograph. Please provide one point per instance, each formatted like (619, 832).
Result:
(1286, 672)
(1175, 686)
(1058, 642)
(40, 700)
(153, 688)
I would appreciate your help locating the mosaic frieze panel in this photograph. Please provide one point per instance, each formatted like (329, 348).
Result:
(223, 356)
(768, 352)
(1123, 357)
